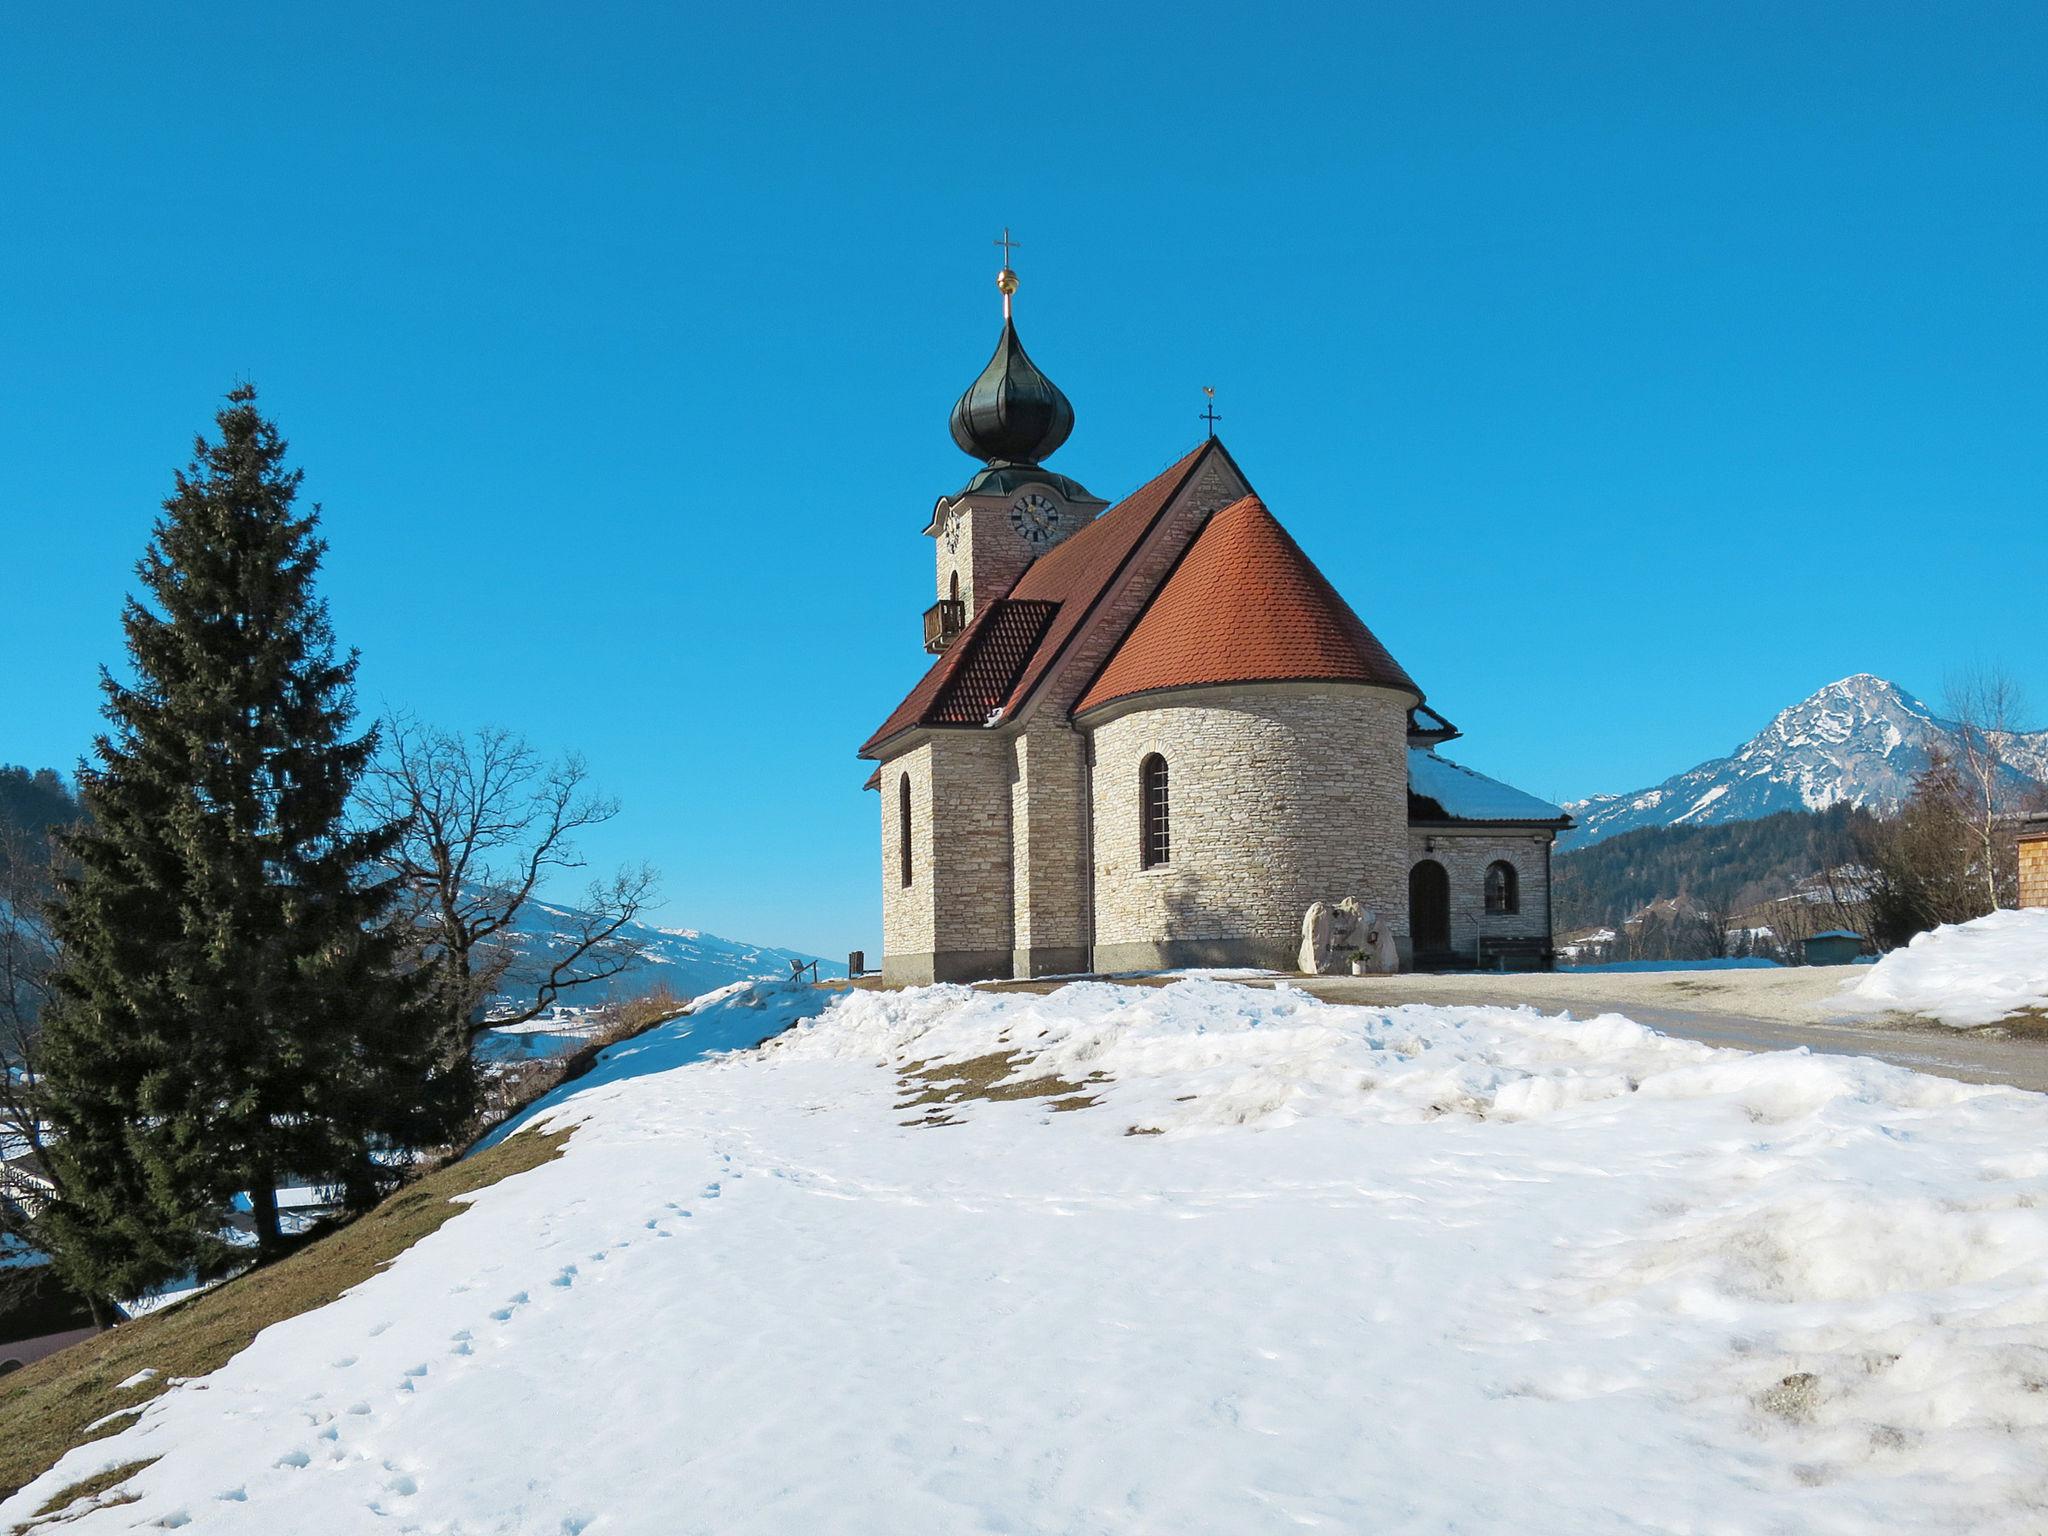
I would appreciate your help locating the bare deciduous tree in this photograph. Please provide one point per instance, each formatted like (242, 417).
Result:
(28, 958)
(1986, 706)
(489, 821)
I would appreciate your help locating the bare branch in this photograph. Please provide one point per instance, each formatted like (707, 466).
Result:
(490, 822)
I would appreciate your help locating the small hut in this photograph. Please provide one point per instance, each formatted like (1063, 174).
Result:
(2033, 841)
(1838, 946)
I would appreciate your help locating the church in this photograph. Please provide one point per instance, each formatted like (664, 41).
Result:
(1153, 734)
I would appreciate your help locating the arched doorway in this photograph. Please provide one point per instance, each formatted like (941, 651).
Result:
(1429, 908)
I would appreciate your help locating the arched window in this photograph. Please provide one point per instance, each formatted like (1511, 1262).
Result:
(1503, 893)
(955, 593)
(1155, 831)
(903, 826)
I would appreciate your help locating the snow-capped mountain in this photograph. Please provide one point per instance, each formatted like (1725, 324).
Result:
(1861, 740)
(689, 960)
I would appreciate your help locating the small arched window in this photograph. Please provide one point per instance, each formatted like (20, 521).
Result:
(955, 593)
(1503, 893)
(1155, 828)
(903, 826)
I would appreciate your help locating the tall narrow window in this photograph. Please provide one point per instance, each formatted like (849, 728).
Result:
(1502, 896)
(1155, 831)
(903, 826)
(955, 594)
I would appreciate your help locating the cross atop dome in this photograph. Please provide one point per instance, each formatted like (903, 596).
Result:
(1012, 414)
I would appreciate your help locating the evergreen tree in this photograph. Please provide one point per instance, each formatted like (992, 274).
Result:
(229, 1007)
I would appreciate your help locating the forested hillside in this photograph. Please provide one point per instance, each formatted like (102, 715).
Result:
(1720, 868)
(31, 801)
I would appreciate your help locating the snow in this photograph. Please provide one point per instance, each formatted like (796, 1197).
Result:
(1961, 974)
(1469, 796)
(1298, 1265)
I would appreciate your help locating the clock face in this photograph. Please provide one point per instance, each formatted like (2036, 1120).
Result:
(1035, 518)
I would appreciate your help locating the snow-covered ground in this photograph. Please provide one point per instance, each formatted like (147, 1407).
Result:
(1961, 974)
(1298, 1266)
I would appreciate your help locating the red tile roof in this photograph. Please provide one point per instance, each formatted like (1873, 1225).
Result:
(975, 676)
(1244, 605)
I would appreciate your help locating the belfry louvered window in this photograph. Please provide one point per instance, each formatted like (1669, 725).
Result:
(1155, 827)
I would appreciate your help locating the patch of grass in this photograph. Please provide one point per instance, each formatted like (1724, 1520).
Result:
(92, 1487)
(45, 1407)
(936, 1087)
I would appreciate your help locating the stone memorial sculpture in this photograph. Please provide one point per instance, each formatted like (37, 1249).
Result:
(1347, 924)
(1378, 955)
(1315, 938)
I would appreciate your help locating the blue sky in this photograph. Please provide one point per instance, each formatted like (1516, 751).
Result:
(1634, 369)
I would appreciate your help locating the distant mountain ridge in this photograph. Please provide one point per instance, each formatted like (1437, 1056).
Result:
(689, 960)
(1860, 740)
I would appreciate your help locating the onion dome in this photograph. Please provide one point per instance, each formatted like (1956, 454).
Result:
(1012, 414)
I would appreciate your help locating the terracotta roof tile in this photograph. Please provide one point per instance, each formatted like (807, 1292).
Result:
(1244, 605)
(1064, 583)
(991, 657)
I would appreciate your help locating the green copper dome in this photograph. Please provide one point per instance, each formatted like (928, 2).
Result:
(1013, 413)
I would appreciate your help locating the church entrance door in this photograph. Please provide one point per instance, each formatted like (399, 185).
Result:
(1429, 908)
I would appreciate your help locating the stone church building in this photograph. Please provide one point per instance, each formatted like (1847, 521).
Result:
(1154, 733)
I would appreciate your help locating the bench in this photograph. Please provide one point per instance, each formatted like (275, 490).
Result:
(1504, 954)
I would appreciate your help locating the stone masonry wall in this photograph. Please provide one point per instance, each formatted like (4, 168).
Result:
(907, 910)
(1465, 856)
(971, 843)
(956, 909)
(2034, 871)
(1280, 795)
(1049, 867)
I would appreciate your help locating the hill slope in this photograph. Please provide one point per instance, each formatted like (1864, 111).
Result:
(1278, 1264)
(1724, 867)
(1859, 741)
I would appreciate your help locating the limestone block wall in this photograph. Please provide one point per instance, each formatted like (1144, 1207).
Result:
(2034, 871)
(1465, 855)
(1048, 848)
(1280, 795)
(952, 921)
(908, 911)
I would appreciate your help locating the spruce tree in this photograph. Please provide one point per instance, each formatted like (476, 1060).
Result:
(230, 1009)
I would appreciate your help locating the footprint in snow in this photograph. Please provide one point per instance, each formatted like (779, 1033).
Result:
(460, 1341)
(233, 1496)
(295, 1460)
(710, 1193)
(566, 1278)
(374, 1332)
(344, 1363)
(504, 1313)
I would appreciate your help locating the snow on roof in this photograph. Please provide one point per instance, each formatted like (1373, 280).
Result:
(1463, 795)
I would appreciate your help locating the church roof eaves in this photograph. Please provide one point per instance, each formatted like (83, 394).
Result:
(1244, 605)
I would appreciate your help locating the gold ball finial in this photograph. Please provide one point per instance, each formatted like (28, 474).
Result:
(1006, 282)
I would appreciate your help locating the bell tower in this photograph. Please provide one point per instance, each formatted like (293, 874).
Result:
(1013, 509)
